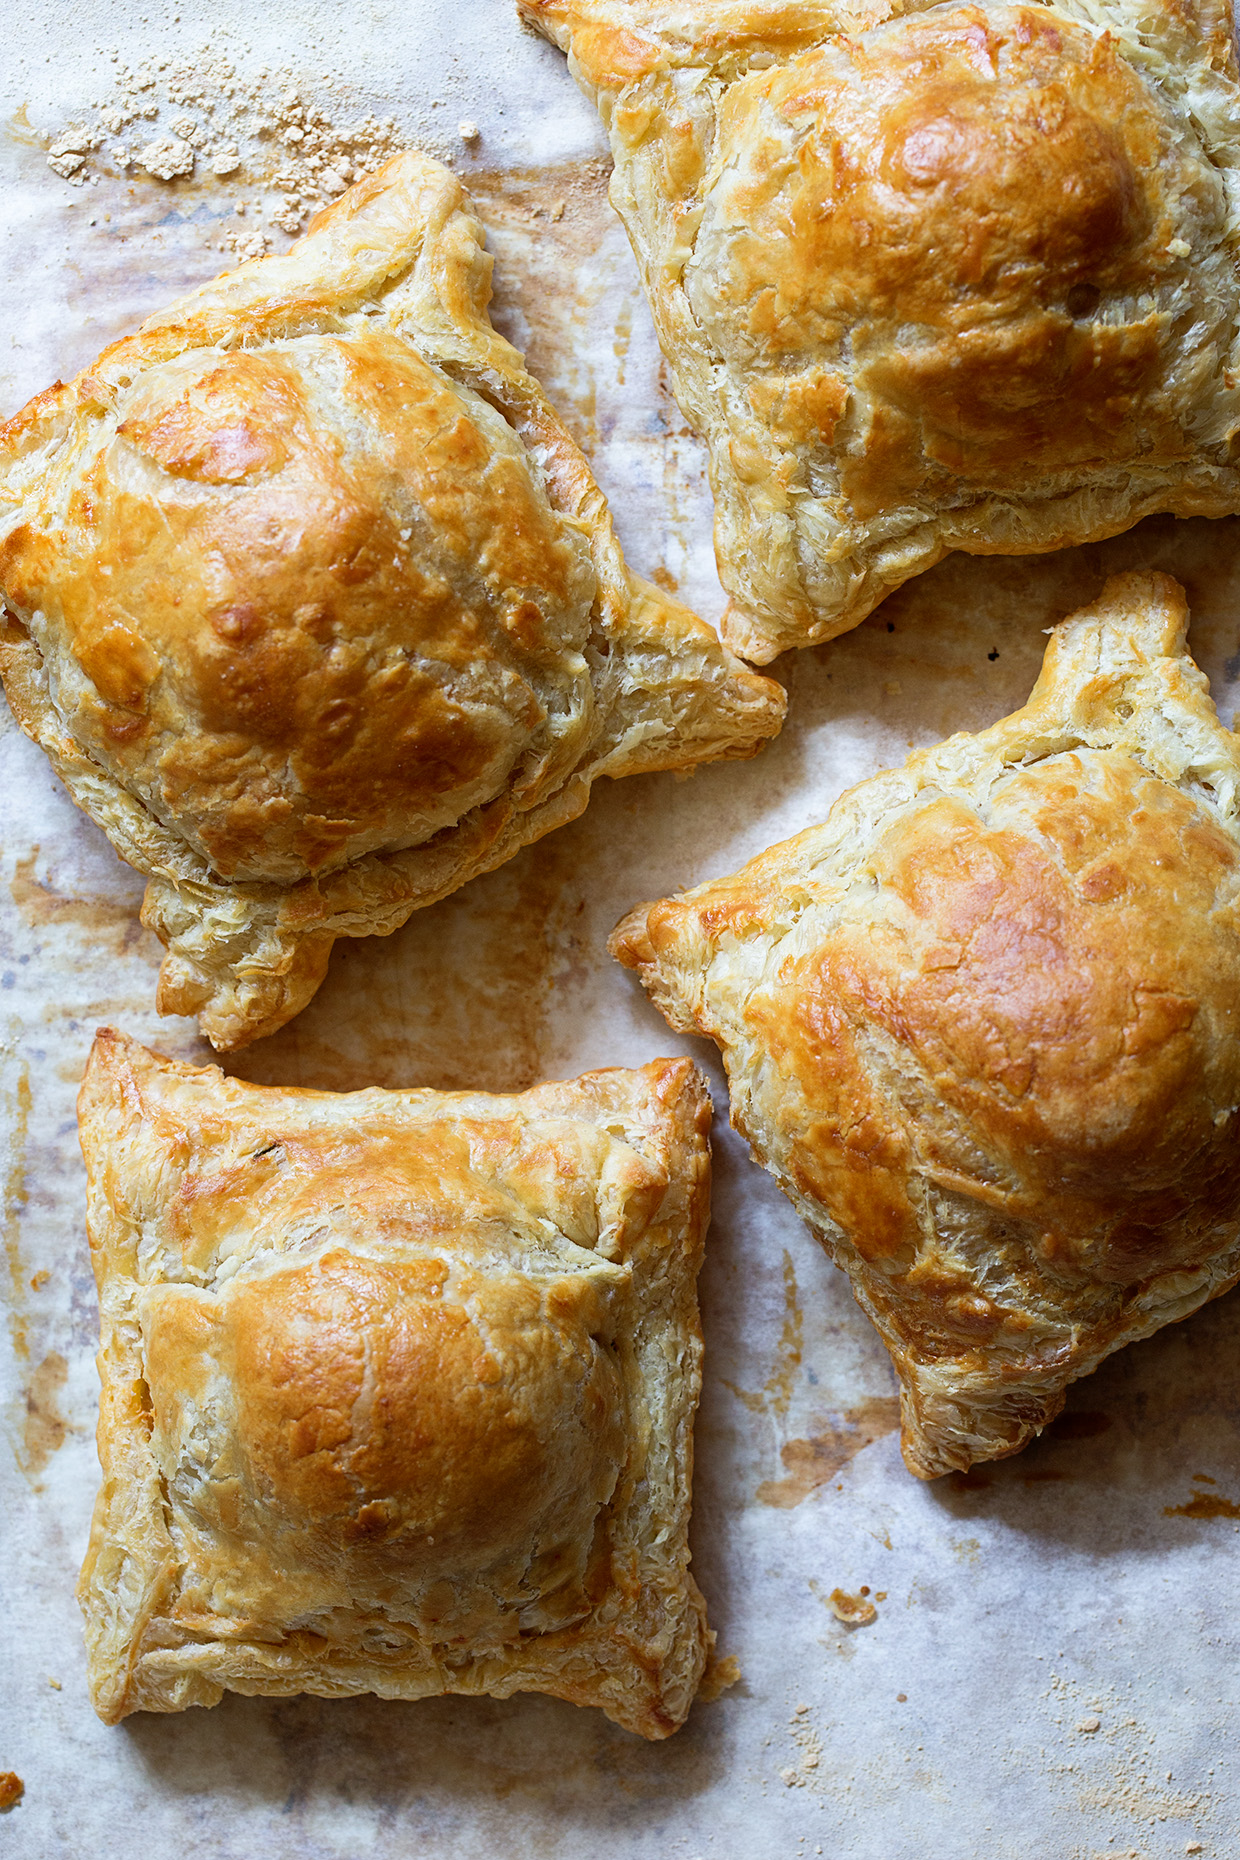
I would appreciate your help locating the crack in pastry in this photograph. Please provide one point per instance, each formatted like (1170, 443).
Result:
(983, 1027)
(318, 611)
(928, 277)
(398, 1388)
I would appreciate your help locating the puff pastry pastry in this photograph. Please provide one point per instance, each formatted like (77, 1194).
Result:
(928, 277)
(318, 611)
(398, 1388)
(983, 1026)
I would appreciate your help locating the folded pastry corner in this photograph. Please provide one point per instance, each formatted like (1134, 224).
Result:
(928, 277)
(318, 611)
(983, 1027)
(398, 1388)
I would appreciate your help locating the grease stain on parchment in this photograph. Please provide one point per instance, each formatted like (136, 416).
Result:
(45, 1428)
(39, 905)
(1204, 1505)
(41, 1425)
(21, 130)
(775, 1395)
(14, 1199)
(547, 228)
(1080, 1424)
(459, 999)
(812, 1462)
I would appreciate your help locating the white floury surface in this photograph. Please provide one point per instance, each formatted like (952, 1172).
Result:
(1057, 1591)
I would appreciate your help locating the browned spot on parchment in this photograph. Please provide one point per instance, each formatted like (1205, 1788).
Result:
(39, 905)
(14, 1196)
(776, 1392)
(19, 129)
(44, 1429)
(1079, 1424)
(812, 1462)
(461, 999)
(545, 226)
(1204, 1505)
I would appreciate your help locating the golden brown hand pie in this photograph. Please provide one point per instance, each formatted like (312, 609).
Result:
(398, 1388)
(928, 277)
(983, 1027)
(318, 610)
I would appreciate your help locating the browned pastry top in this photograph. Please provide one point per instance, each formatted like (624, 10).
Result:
(308, 601)
(1027, 964)
(928, 277)
(956, 193)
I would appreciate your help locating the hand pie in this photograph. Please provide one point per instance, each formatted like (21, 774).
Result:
(928, 278)
(398, 1388)
(983, 1027)
(318, 611)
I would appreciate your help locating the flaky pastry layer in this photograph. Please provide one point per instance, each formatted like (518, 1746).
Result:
(983, 1027)
(398, 1388)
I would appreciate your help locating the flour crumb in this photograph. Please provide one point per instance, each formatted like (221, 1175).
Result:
(292, 146)
(69, 151)
(189, 131)
(468, 130)
(809, 1745)
(167, 158)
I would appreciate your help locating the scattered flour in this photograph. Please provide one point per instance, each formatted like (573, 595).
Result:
(285, 145)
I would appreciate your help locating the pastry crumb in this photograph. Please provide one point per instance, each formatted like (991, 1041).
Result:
(12, 1789)
(720, 1674)
(852, 1610)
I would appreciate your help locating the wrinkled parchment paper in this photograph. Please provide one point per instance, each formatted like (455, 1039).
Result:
(1051, 1673)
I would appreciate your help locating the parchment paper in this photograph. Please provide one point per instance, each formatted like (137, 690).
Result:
(1052, 1671)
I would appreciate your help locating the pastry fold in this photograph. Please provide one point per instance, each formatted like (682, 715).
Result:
(397, 1388)
(927, 277)
(983, 1027)
(318, 611)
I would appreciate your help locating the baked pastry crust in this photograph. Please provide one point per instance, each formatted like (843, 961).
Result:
(928, 277)
(983, 1027)
(398, 1388)
(318, 610)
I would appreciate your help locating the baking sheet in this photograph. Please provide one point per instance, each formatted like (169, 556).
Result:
(1052, 1670)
